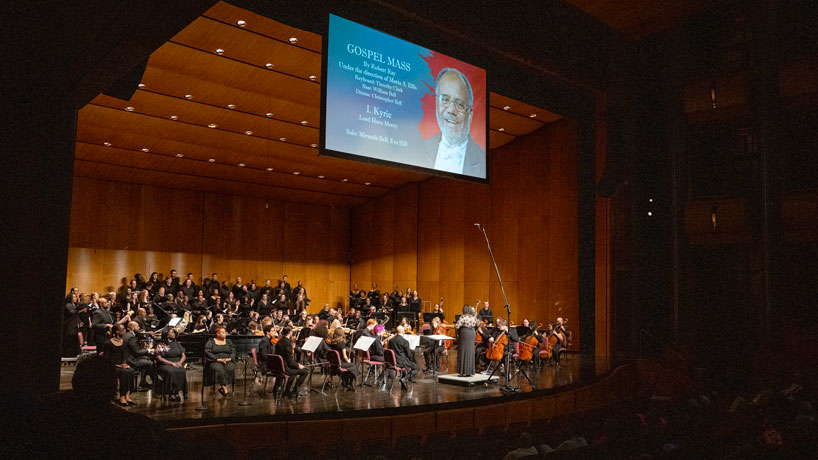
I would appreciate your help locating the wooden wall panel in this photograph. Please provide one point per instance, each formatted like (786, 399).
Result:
(147, 228)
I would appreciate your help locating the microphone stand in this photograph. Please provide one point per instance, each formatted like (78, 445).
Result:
(245, 402)
(507, 388)
(202, 406)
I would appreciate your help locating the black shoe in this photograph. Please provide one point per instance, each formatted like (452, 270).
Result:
(131, 403)
(403, 383)
(221, 390)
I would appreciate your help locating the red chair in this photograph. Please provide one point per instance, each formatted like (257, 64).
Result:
(276, 369)
(392, 364)
(377, 366)
(85, 348)
(333, 369)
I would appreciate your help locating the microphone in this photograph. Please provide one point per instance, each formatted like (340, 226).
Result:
(477, 225)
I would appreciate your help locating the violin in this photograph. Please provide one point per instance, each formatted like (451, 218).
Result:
(497, 348)
(441, 330)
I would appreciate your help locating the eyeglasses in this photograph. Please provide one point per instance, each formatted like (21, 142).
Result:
(458, 104)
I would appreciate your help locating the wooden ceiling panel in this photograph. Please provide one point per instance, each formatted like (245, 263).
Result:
(262, 25)
(521, 108)
(209, 35)
(497, 139)
(512, 123)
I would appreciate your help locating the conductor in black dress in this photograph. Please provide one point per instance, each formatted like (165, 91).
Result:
(466, 327)
(285, 348)
(403, 356)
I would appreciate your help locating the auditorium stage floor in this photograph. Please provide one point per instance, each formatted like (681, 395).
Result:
(425, 392)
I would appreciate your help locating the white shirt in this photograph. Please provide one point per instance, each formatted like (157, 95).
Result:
(451, 157)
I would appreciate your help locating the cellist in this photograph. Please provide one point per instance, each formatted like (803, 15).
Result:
(502, 329)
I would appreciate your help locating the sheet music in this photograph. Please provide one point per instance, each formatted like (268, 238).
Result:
(364, 343)
(414, 340)
(312, 343)
(438, 337)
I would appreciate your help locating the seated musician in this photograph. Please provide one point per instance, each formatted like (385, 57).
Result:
(286, 349)
(218, 323)
(171, 358)
(403, 356)
(281, 305)
(339, 344)
(221, 354)
(114, 351)
(324, 313)
(511, 333)
(102, 321)
(482, 335)
(301, 321)
(433, 348)
(559, 332)
(350, 317)
(137, 357)
(376, 349)
(266, 347)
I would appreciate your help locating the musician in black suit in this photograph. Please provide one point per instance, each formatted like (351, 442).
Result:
(266, 347)
(403, 356)
(102, 321)
(376, 349)
(137, 357)
(485, 313)
(286, 349)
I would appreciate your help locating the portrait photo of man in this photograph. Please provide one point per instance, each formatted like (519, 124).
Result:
(453, 149)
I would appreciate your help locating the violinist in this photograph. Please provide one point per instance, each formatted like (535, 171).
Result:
(286, 349)
(266, 347)
(301, 321)
(376, 349)
(433, 348)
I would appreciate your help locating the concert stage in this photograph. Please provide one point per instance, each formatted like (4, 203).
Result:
(425, 394)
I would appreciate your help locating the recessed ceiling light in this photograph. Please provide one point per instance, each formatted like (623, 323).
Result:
(282, 139)
(344, 180)
(313, 145)
(188, 96)
(219, 51)
(212, 125)
(231, 106)
(501, 129)
(106, 144)
(533, 115)
(141, 85)
(146, 150)
(293, 39)
(174, 117)
(129, 109)
(367, 183)
(179, 155)
(241, 23)
(248, 132)
(320, 177)
(269, 114)
(269, 65)
(241, 165)
(506, 107)
(313, 77)
(269, 169)
(212, 160)
(296, 173)
(303, 122)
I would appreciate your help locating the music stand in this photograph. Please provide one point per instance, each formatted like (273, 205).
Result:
(410, 316)
(428, 317)
(310, 346)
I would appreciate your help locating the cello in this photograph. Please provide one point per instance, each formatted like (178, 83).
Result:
(497, 348)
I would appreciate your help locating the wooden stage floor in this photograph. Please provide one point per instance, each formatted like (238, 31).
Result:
(425, 392)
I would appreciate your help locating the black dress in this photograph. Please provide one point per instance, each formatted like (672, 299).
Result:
(116, 355)
(352, 375)
(175, 378)
(466, 334)
(223, 373)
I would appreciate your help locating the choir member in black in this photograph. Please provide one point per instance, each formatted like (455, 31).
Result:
(70, 321)
(200, 327)
(403, 306)
(74, 291)
(281, 304)
(199, 305)
(171, 359)
(170, 288)
(137, 357)
(432, 348)
(394, 296)
(286, 349)
(374, 295)
(102, 321)
(182, 304)
(218, 323)
(403, 356)
(188, 289)
(114, 351)
(299, 289)
(238, 288)
(415, 303)
(339, 344)
(214, 282)
(466, 327)
(286, 286)
(299, 303)
(153, 283)
(354, 295)
(231, 302)
(376, 349)
(361, 300)
(192, 283)
(485, 313)
(174, 278)
(266, 347)
(349, 319)
(220, 354)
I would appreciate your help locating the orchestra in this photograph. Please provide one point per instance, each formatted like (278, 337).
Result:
(133, 328)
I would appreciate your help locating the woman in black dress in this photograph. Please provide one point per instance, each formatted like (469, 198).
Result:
(71, 344)
(466, 326)
(114, 351)
(171, 358)
(339, 344)
(220, 354)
